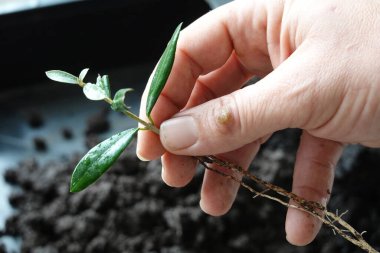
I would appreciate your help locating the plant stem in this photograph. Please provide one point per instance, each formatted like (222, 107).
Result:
(125, 111)
(148, 126)
(81, 83)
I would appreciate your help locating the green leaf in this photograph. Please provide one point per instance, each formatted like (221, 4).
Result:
(94, 92)
(99, 159)
(106, 85)
(83, 73)
(118, 100)
(162, 72)
(62, 76)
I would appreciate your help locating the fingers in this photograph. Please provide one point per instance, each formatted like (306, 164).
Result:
(228, 78)
(177, 171)
(204, 46)
(312, 180)
(219, 192)
(148, 143)
(281, 100)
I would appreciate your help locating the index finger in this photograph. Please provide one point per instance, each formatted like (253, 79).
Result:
(203, 47)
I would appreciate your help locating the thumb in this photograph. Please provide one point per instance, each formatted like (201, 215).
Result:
(232, 121)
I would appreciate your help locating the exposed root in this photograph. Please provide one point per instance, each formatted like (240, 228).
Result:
(282, 196)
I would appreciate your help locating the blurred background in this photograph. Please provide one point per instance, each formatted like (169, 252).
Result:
(45, 127)
(9, 6)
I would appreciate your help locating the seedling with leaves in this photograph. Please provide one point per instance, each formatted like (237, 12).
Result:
(101, 157)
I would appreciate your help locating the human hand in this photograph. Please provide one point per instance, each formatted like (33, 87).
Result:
(320, 69)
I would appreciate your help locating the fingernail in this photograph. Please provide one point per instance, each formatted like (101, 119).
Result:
(139, 156)
(179, 133)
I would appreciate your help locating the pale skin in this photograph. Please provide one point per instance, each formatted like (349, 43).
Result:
(320, 68)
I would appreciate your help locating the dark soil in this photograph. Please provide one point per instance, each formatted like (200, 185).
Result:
(40, 144)
(2, 249)
(67, 133)
(98, 123)
(130, 209)
(35, 119)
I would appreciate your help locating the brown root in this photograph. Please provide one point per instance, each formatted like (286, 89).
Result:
(282, 196)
